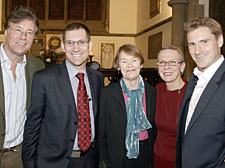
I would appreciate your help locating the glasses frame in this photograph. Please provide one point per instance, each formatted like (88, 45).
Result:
(170, 63)
(80, 43)
(20, 31)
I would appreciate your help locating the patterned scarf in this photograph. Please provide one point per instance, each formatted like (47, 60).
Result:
(136, 118)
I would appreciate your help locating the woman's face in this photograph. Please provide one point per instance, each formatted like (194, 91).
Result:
(130, 66)
(170, 67)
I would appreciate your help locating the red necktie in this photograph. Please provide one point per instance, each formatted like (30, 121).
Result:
(84, 124)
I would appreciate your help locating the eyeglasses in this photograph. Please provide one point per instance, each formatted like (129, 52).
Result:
(80, 43)
(21, 31)
(170, 63)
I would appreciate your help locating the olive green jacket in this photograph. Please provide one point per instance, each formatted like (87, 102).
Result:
(33, 64)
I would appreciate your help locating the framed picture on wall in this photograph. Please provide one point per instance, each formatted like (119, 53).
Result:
(107, 55)
(53, 41)
(154, 8)
(154, 45)
(53, 53)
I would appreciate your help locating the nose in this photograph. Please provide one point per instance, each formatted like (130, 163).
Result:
(23, 35)
(198, 49)
(166, 66)
(130, 64)
(76, 47)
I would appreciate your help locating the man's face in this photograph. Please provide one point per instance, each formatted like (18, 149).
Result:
(76, 47)
(204, 47)
(19, 38)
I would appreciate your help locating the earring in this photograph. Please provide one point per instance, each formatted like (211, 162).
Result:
(118, 71)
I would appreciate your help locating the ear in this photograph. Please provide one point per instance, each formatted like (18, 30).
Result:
(182, 67)
(90, 45)
(5, 32)
(220, 41)
(63, 47)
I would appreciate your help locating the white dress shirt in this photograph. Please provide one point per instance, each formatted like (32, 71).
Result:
(203, 79)
(15, 100)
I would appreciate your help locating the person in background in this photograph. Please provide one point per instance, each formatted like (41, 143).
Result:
(126, 117)
(170, 94)
(201, 126)
(16, 74)
(60, 127)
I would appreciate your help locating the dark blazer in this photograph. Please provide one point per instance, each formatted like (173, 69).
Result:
(52, 120)
(112, 123)
(33, 64)
(203, 145)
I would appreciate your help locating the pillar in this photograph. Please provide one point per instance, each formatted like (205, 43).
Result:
(179, 11)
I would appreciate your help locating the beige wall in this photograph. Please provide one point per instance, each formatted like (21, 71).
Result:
(142, 42)
(144, 22)
(123, 16)
(143, 14)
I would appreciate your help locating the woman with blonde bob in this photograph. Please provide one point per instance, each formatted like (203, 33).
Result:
(170, 94)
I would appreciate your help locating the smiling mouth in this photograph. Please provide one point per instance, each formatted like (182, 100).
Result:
(131, 70)
(76, 55)
(21, 43)
(167, 73)
(200, 57)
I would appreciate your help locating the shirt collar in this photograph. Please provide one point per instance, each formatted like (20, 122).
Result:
(72, 70)
(209, 72)
(4, 58)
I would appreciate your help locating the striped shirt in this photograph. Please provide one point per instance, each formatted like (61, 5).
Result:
(15, 100)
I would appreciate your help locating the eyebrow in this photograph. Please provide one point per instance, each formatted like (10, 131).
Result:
(18, 26)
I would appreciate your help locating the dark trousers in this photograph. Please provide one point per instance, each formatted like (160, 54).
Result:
(143, 158)
(85, 161)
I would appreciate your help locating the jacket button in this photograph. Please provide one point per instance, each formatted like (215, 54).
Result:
(75, 122)
(68, 157)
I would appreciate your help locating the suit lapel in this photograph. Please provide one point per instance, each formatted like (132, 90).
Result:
(28, 72)
(148, 95)
(91, 80)
(64, 83)
(206, 95)
(185, 107)
(118, 95)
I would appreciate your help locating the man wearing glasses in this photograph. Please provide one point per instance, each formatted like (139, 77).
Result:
(60, 127)
(16, 73)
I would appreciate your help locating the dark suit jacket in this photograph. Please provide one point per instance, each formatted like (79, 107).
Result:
(203, 145)
(52, 120)
(33, 64)
(112, 123)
